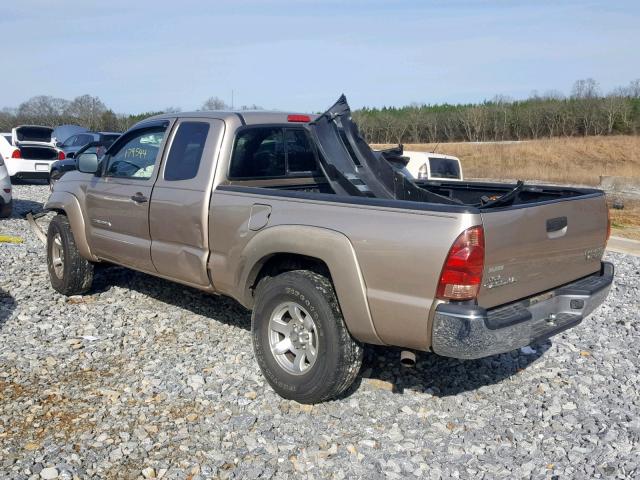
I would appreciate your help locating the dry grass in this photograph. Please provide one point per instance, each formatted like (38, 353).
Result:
(626, 222)
(578, 160)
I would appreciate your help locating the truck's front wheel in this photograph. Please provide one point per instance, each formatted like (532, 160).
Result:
(70, 273)
(300, 339)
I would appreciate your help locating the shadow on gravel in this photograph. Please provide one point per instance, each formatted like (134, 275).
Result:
(7, 305)
(437, 375)
(22, 207)
(18, 181)
(215, 307)
(442, 376)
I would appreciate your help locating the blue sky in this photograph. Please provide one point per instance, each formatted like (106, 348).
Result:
(140, 55)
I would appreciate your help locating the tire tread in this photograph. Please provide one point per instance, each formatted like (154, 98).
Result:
(350, 350)
(78, 274)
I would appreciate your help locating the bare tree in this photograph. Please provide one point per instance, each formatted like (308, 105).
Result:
(472, 120)
(42, 109)
(214, 103)
(633, 90)
(586, 88)
(86, 110)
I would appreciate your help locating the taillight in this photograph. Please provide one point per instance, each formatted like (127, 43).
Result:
(16, 154)
(462, 271)
(61, 155)
(298, 118)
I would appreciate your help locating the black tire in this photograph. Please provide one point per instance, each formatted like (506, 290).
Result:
(339, 356)
(6, 209)
(75, 275)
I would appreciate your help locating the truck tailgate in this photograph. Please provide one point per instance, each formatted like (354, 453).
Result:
(531, 249)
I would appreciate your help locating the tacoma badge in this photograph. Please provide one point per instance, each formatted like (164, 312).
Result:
(498, 281)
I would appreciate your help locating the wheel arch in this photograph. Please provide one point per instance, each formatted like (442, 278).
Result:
(67, 204)
(294, 247)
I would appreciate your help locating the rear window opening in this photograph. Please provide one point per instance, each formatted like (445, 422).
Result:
(444, 168)
(34, 134)
(272, 152)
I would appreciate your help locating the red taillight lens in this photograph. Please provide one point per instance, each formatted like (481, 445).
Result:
(298, 118)
(16, 154)
(61, 155)
(462, 271)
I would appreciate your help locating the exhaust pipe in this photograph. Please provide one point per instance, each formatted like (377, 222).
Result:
(407, 358)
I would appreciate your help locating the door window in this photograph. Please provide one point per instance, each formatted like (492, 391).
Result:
(83, 139)
(135, 156)
(186, 151)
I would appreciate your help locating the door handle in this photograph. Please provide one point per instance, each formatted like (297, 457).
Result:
(139, 198)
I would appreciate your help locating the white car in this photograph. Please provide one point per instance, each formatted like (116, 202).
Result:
(433, 166)
(28, 151)
(5, 191)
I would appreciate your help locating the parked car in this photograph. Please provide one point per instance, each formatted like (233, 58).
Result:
(28, 151)
(434, 166)
(62, 132)
(329, 245)
(6, 201)
(75, 142)
(59, 168)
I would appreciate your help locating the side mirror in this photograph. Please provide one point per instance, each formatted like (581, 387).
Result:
(87, 163)
(70, 155)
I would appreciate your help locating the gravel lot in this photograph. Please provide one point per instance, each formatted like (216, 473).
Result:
(144, 378)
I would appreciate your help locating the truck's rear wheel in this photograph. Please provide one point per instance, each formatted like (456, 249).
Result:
(300, 339)
(69, 273)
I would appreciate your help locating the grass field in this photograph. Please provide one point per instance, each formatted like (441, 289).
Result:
(576, 160)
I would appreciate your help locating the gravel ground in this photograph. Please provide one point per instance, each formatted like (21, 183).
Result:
(144, 378)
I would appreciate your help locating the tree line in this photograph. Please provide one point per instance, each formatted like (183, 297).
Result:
(87, 111)
(586, 111)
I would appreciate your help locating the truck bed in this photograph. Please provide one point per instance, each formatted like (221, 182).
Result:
(544, 237)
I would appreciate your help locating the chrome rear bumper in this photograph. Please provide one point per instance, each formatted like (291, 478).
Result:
(470, 331)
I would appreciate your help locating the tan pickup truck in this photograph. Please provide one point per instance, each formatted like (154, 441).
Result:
(328, 242)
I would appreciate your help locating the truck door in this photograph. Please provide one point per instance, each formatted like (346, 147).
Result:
(179, 207)
(117, 202)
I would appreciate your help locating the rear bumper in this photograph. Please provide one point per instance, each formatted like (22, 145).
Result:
(470, 331)
(28, 168)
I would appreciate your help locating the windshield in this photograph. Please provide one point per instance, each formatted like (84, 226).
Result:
(444, 168)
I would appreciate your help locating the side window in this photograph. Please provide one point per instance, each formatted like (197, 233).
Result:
(300, 155)
(84, 139)
(136, 156)
(186, 151)
(258, 152)
(69, 141)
